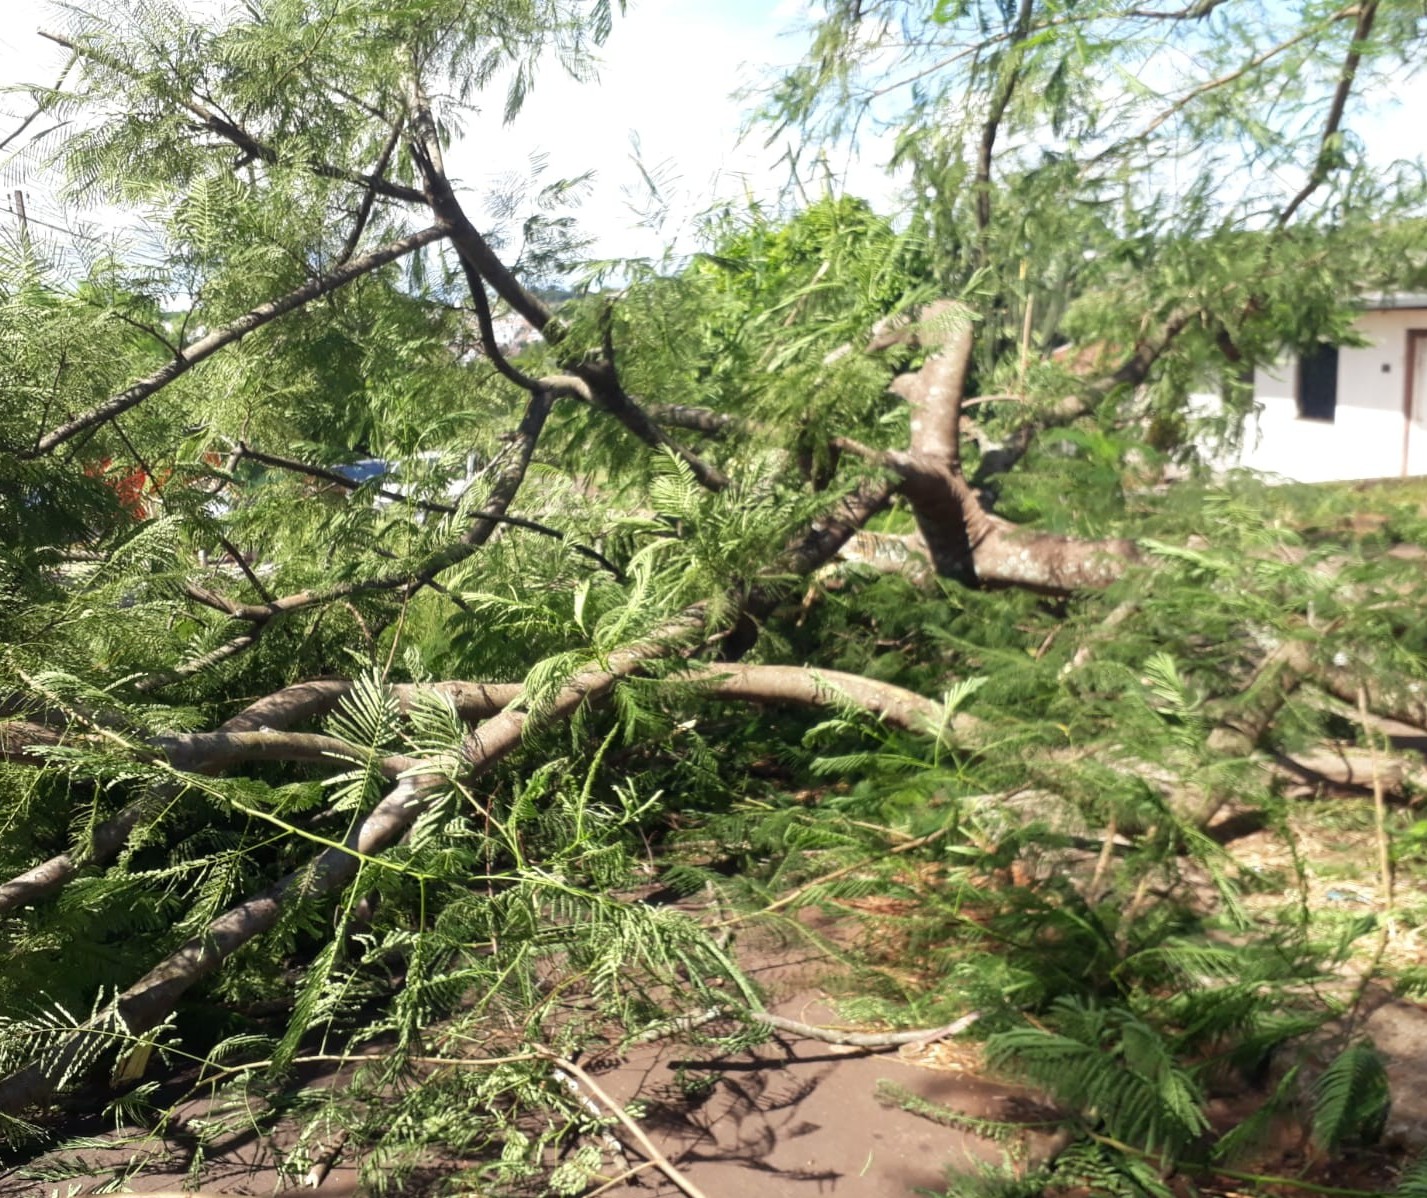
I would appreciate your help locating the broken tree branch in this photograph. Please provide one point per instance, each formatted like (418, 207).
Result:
(145, 1004)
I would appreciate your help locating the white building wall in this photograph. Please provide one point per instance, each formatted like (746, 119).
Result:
(1366, 437)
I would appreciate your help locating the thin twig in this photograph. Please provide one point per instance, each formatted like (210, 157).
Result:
(1384, 857)
(830, 1035)
(646, 1145)
(623, 1177)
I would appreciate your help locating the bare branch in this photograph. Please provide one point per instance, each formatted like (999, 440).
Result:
(833, 1035)
(1327, 149)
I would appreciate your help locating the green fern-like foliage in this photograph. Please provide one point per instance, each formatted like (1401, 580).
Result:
(1351, 1100)
(1413, 1182)
(1114, 1068)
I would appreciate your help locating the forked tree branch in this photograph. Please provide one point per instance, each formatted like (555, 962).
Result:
(481, 263)
(963, 540)
(261, 732)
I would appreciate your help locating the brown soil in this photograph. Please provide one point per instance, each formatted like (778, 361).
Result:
(796, 1118)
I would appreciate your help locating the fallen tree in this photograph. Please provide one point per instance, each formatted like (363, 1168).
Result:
(788, 581)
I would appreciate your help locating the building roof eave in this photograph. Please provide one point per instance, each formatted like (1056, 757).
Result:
(1391, 301)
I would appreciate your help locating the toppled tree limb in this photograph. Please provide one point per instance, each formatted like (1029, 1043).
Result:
(1389, 697)
(1244, 721)
(202, 753)
(949, 515)
(806, 553)
(306, 700)
(607, 393)
(819, 688)
(798, 685)
(1351, 767)
(49, 877)
(259, 733)
(963, 540)
(212, 751)
(145, 1004)
(1131, 372)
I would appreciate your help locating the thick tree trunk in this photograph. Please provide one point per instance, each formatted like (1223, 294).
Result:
(963, 540)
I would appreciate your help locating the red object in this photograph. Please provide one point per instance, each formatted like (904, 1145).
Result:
(134, 488)
(129, 488)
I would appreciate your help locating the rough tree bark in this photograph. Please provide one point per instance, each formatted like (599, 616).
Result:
(964, 541)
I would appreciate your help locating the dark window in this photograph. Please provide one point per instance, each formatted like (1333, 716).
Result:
(1318, 383)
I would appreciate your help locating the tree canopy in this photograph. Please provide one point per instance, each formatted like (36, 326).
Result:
(371, 688)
